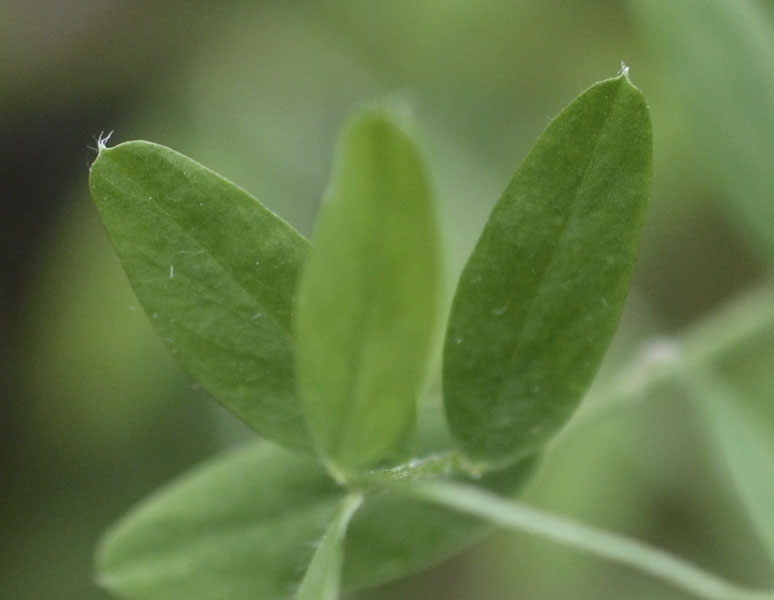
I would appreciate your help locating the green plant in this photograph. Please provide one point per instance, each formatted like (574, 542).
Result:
(325, 351)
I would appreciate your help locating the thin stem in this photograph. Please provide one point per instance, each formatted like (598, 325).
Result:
(667, 360)
(322, 578)
(444, 464)
(518, 516)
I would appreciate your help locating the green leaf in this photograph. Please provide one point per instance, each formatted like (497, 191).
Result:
(216, 273)
(540, 297)
(720, 55)
(367, 298)
(241, 527)
(245, 526)
(321, 581)
(744, 440)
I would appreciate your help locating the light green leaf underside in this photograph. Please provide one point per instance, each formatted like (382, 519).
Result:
(242, 527)
(321, 581)
(720, 54)
(540, 297)
(367, 297)
(216, 273)
(745, 442)
(245, 526)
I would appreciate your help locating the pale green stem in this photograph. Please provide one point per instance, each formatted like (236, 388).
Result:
(518, 516)
(667, 360)
(444, 464)
(321, 580)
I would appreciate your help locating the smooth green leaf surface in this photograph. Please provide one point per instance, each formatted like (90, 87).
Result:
(540, 297)
(321, 581)
(367, 297)
(720, 56)
(216, 273)
(745, 442)
(242, 527)
(245, 526)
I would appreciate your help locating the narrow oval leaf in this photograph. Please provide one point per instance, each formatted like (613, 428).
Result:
(321, 581)
(540, 297)
(245, 526)
(215, 271)
(242, 527)
(367, 298)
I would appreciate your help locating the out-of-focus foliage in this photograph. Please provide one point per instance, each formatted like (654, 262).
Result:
(366, 302)
(96, 413)
(718, 55)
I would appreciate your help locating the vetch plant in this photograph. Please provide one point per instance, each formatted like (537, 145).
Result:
(324, 350)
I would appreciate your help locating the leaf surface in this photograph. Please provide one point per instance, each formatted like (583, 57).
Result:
(367, 298)
(215, 271)
(540, 297)
(245, 526)
(241, 527)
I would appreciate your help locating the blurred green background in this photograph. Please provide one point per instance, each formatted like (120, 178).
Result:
(95, 413)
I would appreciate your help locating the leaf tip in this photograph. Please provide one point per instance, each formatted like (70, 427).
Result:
(624, 71)
(102, 140)
(395, 115)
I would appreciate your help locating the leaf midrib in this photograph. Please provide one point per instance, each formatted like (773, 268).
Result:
(206, 250)
(514, 356)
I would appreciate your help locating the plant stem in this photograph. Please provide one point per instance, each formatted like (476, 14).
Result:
(518, 516)
(667, 360)
(322, 577)
(444, 464)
